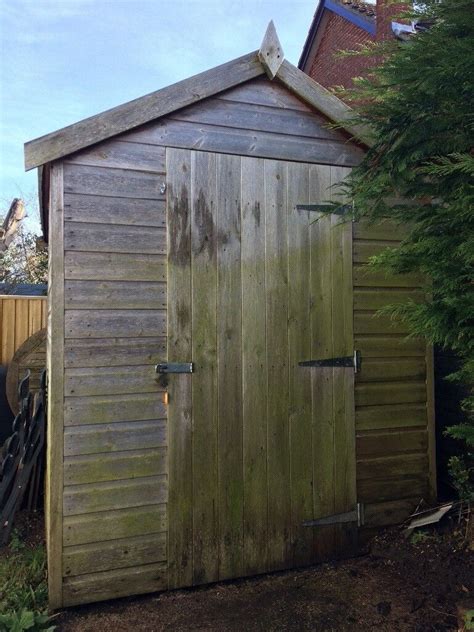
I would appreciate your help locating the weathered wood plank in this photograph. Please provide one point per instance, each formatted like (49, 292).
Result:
(114, 584)
(375, 323)
(390, 416)
(129, 115)
(115, 295)
(114, 437)
(385, 370)
(122, 155)
(110, 495)
(98, 266)
(322, 347)
(389, 346)
(254, 366)
(401, 466)
(299, 342)
(385, 229)
(119, 465)
(262, 91)
(111, 381)
(114, 210)
(378, 393)
(180, 535)
(205, 137)
(381, 490)
(113, 407)
(365, 249)
(378, 444)
(345, 493)
(55, 367)
(114, 238)
(375, 298)
(389, 513)
(83, 352)
(123, 553)
(229, 359)
(111, 525)
(276, 291)
(367, 276)
(103, 323)
(113, 182)
(260, 118)
(204, 354)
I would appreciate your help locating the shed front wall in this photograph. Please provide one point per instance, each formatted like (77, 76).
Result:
(108, 518)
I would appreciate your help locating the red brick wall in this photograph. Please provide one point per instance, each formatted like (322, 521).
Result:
(339, 34)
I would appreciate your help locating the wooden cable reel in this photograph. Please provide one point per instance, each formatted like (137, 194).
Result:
(30, 355)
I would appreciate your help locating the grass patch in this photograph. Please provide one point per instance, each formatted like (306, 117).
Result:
(23, 587)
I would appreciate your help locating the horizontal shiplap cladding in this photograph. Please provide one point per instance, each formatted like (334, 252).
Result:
(114, 238)
(170, 132)
(110, 495)
(112, 210)
(104, 323)
(88, 468)
(117, 436)
(98, 266)
(90, 294)
(94, 352)
(116, 407)
(111, 381)
(97, 557)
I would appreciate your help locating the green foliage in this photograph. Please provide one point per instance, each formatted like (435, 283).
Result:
(24, 261)
(23, 588)
(420, 105)
(461, 476)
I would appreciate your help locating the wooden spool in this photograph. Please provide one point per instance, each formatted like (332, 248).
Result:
(30, 355)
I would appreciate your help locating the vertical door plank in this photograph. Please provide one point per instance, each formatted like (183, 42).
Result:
(276, 290)
(299, 340)
(180, 532)
(55, 367)
(229, 343)
(254, 366)
(322, 347)
(204, 355)
(343, 385)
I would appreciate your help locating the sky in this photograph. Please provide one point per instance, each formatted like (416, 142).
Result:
(64, 60)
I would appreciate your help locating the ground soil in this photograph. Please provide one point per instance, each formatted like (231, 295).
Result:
(401, 584)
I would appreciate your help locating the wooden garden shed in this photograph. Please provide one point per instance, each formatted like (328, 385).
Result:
(185, 231)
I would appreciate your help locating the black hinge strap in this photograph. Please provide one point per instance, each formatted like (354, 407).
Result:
(175, 367)
(342, 361)
(356, 515)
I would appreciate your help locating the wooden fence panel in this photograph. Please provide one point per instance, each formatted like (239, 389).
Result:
(20, 317)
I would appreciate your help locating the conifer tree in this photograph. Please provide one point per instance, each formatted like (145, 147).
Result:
(419, 104)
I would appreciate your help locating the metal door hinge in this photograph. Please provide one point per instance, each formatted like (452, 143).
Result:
(354, 361)
(175, 367)
(356, 515)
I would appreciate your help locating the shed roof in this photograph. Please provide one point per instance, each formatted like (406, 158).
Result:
(268, 59)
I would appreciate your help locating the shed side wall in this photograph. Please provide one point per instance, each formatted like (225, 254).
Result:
(394, 418)
(115, 434)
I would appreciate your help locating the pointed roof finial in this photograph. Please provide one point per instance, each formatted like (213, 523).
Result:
(271, 53)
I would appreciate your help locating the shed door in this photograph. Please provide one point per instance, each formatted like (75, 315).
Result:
(257, 444)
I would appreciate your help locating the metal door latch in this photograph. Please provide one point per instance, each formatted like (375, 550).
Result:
(354, 361)
(356, 515)
(174, 367)
(336, 209)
